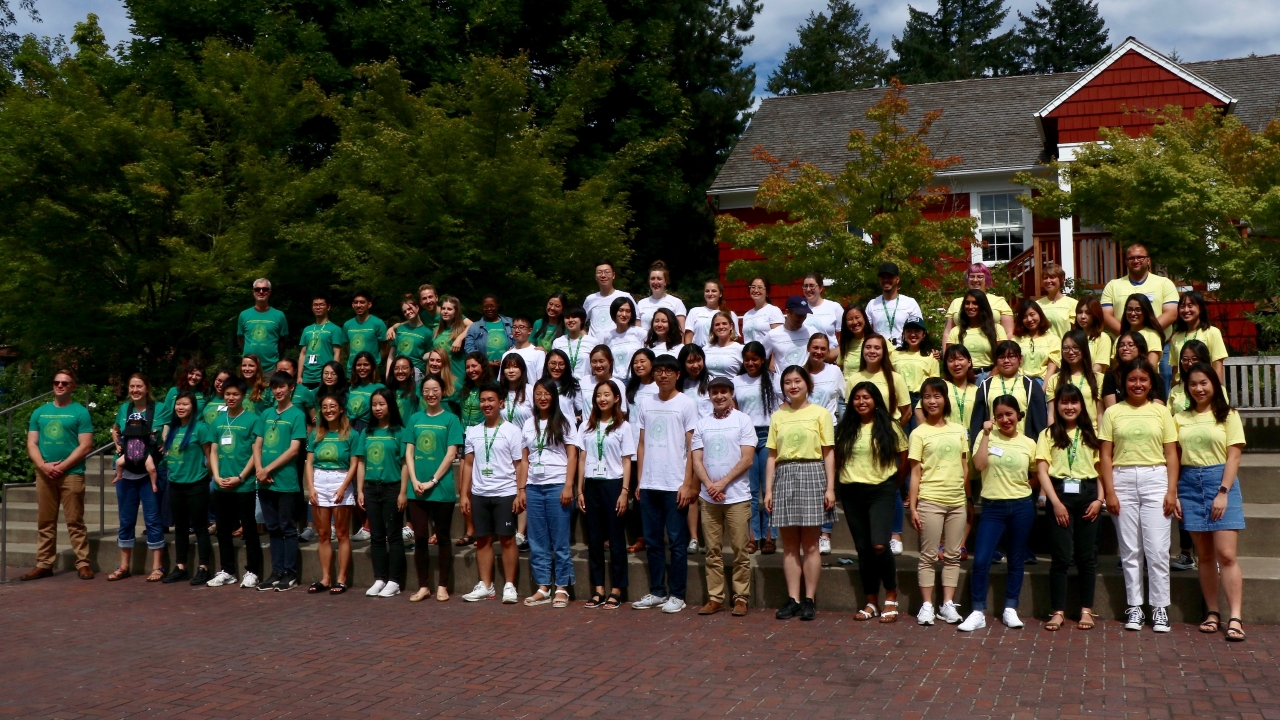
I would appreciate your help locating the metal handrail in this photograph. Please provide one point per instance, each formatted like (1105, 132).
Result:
(9, 420)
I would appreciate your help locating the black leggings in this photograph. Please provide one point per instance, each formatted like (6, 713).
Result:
(869, 512)
(386, 530)
(604, 524)
(1078, 543)
(236, 509)
(423, 515)
(190, 503)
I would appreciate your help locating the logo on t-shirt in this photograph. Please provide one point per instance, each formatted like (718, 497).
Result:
(406, 344)
(375, 453)
(717, 446)
(272, 438)
(948, 447)
(426, 442)
(795, 437)
(54, 430)
(357, 343)
(658, 426)
(327, 452)
(259, 333)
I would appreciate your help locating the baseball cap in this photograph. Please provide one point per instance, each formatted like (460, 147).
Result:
(889, 269)
(721, 381)
(916, 323)
(797, 304)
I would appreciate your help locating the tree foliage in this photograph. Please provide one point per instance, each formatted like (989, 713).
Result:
(1062, 36)
(835, 52)
(958, 41)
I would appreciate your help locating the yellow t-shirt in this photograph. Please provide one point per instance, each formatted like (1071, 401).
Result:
(1100, 351)
(915, 368)
(998, 307)
(862, 466)
(1178, 400)
(1037, 352)
(1077, 379)
(1060, 313)
(1008, 465)
(979, 347)
(1210, 336)
(877, 379)
(1204, 440)
(1059, 459)
(941, 452)
(1139, 434)
(1159, 290)
(849, 361)
(1017, 387)
(800, 434)
(962, 403)
(1154, 342)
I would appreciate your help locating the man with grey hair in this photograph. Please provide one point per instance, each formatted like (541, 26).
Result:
(262, 328)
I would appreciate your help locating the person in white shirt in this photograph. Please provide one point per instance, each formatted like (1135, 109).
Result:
(658, 298)
(757, 394)
(763, 316)
(664, 334)
(573, 403)
(517, 390)
(598, 305)
(491, 493)
(534, 356)
(724, 447)
(694, 382)
(624, 339)
(606, 448)
(576, 343)
(891, 310)
(667, 486)
(723, 351)
(551, 441)
(825, 316)
(828, 381)
(697, 326)
(789, 345)
(602, 371)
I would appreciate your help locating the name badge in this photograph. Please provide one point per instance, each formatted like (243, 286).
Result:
(998, 452)
(313, 359)
(1151, 297)
(226, 440)
(222, 408)
(1071, 486)
(537, 469)
(486, 471)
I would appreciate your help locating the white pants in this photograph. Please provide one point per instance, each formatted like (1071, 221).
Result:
(1143, 531)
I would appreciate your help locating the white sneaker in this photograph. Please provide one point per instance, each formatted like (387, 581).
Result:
(1010, 618)
(250, 580)
(222, 578)
(375, 588)
(649, 601)
(521, 539)
(509, 594)
(391, 589)
(949, 613)
(480, 592)
(895, 546)
(824, 545)
(925, 616)
(1160, 620)
(308, 534)
(693, 546)
(407, 534)
(361, 534)
(1134, 618)
(673, 605)
(975, 621)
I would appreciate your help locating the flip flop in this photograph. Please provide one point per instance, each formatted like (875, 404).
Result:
(338, 589)
(317, 587)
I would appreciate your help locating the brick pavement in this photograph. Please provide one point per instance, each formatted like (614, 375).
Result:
(93, 649)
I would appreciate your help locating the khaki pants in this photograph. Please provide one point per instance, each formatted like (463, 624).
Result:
(940, 524)
(734, 519)
(69, 493)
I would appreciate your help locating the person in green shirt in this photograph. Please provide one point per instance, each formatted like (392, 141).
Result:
(450, 336)
(189, 377)
(334, 450)
(429, 306)
(381, 492)
(303, 398)
(136, 477)
(410, 339)
(215, 403)
(551, 325)
(257, 393)
(186, 447)
(279, 487)
(438, 364)
(261, 328)
(321, 343)
(432, 436)
(363, 384)
(59, 436)
(401, 383)
(364, 332)
(232, 437)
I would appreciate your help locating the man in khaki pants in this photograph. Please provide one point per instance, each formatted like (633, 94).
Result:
(724, 446)
(59, 437)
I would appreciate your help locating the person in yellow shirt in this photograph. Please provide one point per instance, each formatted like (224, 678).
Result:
(1130, 347)
(1009, 380)
(1212, 439)
(977, 330)
(1139, 317)
(1139, 471)
(1041, 346)
(1089, 319)
(916, 361)
(876, 367)
(1067, 465)
(871, 455)
(1159, 291)
(962, 398)
(1077, 369)
(852, 333)
(978, 277)
(1192, 352)
(1193, 324)
(938, 452)
(1059, 309)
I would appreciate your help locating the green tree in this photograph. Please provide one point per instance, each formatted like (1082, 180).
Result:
(958, 41)
(1063, 36)
(835, 52)
(872, 211)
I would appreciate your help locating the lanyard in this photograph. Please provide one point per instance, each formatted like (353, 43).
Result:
(573, 353)
(600, 438)
(488, 443)
(539, 439)
(1073, 450)
(959, 398)
(1004, 389)
(884, 307)
(511, 408)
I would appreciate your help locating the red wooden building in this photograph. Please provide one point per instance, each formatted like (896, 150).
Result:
(1001, 126)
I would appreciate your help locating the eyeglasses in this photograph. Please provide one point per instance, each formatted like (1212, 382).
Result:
(261, 290)
(1137, 257)
(519, 327)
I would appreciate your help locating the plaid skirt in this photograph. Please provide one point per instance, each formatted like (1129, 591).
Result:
(798, 490)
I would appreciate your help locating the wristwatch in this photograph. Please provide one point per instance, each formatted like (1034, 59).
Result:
(1222, 490)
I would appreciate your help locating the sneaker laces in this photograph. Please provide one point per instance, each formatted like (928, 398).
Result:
(1160, 617)
(1135, 614)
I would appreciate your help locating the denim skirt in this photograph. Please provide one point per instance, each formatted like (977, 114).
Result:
(1197, 487)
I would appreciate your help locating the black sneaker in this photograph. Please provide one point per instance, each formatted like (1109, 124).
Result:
(807, 610)
(201, 577)
(176, 575)
(269, 585)
(789, 610)
(286, 581)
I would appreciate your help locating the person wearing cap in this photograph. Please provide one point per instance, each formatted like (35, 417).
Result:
(789, 344)
(724, 447)
(891, 311)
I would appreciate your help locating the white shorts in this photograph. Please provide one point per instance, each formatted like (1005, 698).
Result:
(327, 483)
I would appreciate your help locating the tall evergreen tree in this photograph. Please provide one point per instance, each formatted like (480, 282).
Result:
(835, 52)
(956, 42)
(1063, 36)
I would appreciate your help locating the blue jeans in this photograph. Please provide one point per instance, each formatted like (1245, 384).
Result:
(999, 517)
(128, 494)
(664, 523)
(759, 516)
(549, 535)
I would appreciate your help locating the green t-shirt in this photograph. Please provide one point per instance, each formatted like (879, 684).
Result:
(497, 340)
(430, 321)
(188, 465)
(234, 439)
(431, 436)
(334, 453)
(384, 454)
(262, 333)
(358, 400)
(213, 407)
(545, 339)
(413, 343)
(362, 336)
(165, 411)
(407, 402)
(319, 341)
(471, 414)
(279, 431)
(60, 429)
(303, 398)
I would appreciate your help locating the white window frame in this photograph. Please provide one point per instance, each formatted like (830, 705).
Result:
(975, 210)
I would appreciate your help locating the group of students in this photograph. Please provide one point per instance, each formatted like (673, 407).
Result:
(699, 423)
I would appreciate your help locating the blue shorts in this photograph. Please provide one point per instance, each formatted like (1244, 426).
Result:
(1197, 487)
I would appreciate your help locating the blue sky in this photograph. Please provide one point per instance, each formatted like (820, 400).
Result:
(1197, 29)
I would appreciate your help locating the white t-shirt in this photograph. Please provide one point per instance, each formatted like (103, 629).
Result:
(721, 443)
(647, 306)
(623, 345)
(756, 324)
(550, 465)
(663, 426)
(825, 318)
(702, 400)
(517, 412)
(828, 388)
(597, 309)
(672, 350)
(643, 393)
(723, 361)
(887, 319)
(579, 352)
(699, 321)
(534, 359)
(746, 393)
(496, 451)
(589, 395)
(605, 450)
(788, 347)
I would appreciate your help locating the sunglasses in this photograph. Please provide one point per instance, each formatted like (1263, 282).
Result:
(61, 383)
(262, 290)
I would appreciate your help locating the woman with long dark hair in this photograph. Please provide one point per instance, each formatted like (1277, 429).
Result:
(364, 382)
(185, 444)
(1130, 346)
(382, 492)
(624, 338)
(1041, 346)
(551, 325)
(664, 334)
(1077, 369)
(757, 396)
(977, 330)
(572, 402)
(476, 374)
(1192, 324)
(606, 447)
(1139, 316)
(552, 444)
(434, 436)
(1089, 319)
(137, 477)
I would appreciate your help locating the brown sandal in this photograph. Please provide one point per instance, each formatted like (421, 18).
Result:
(1212, 621)
(1235, 634)
(1055, 621)
(118, 574)
(156, 575)
(1087, 620)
